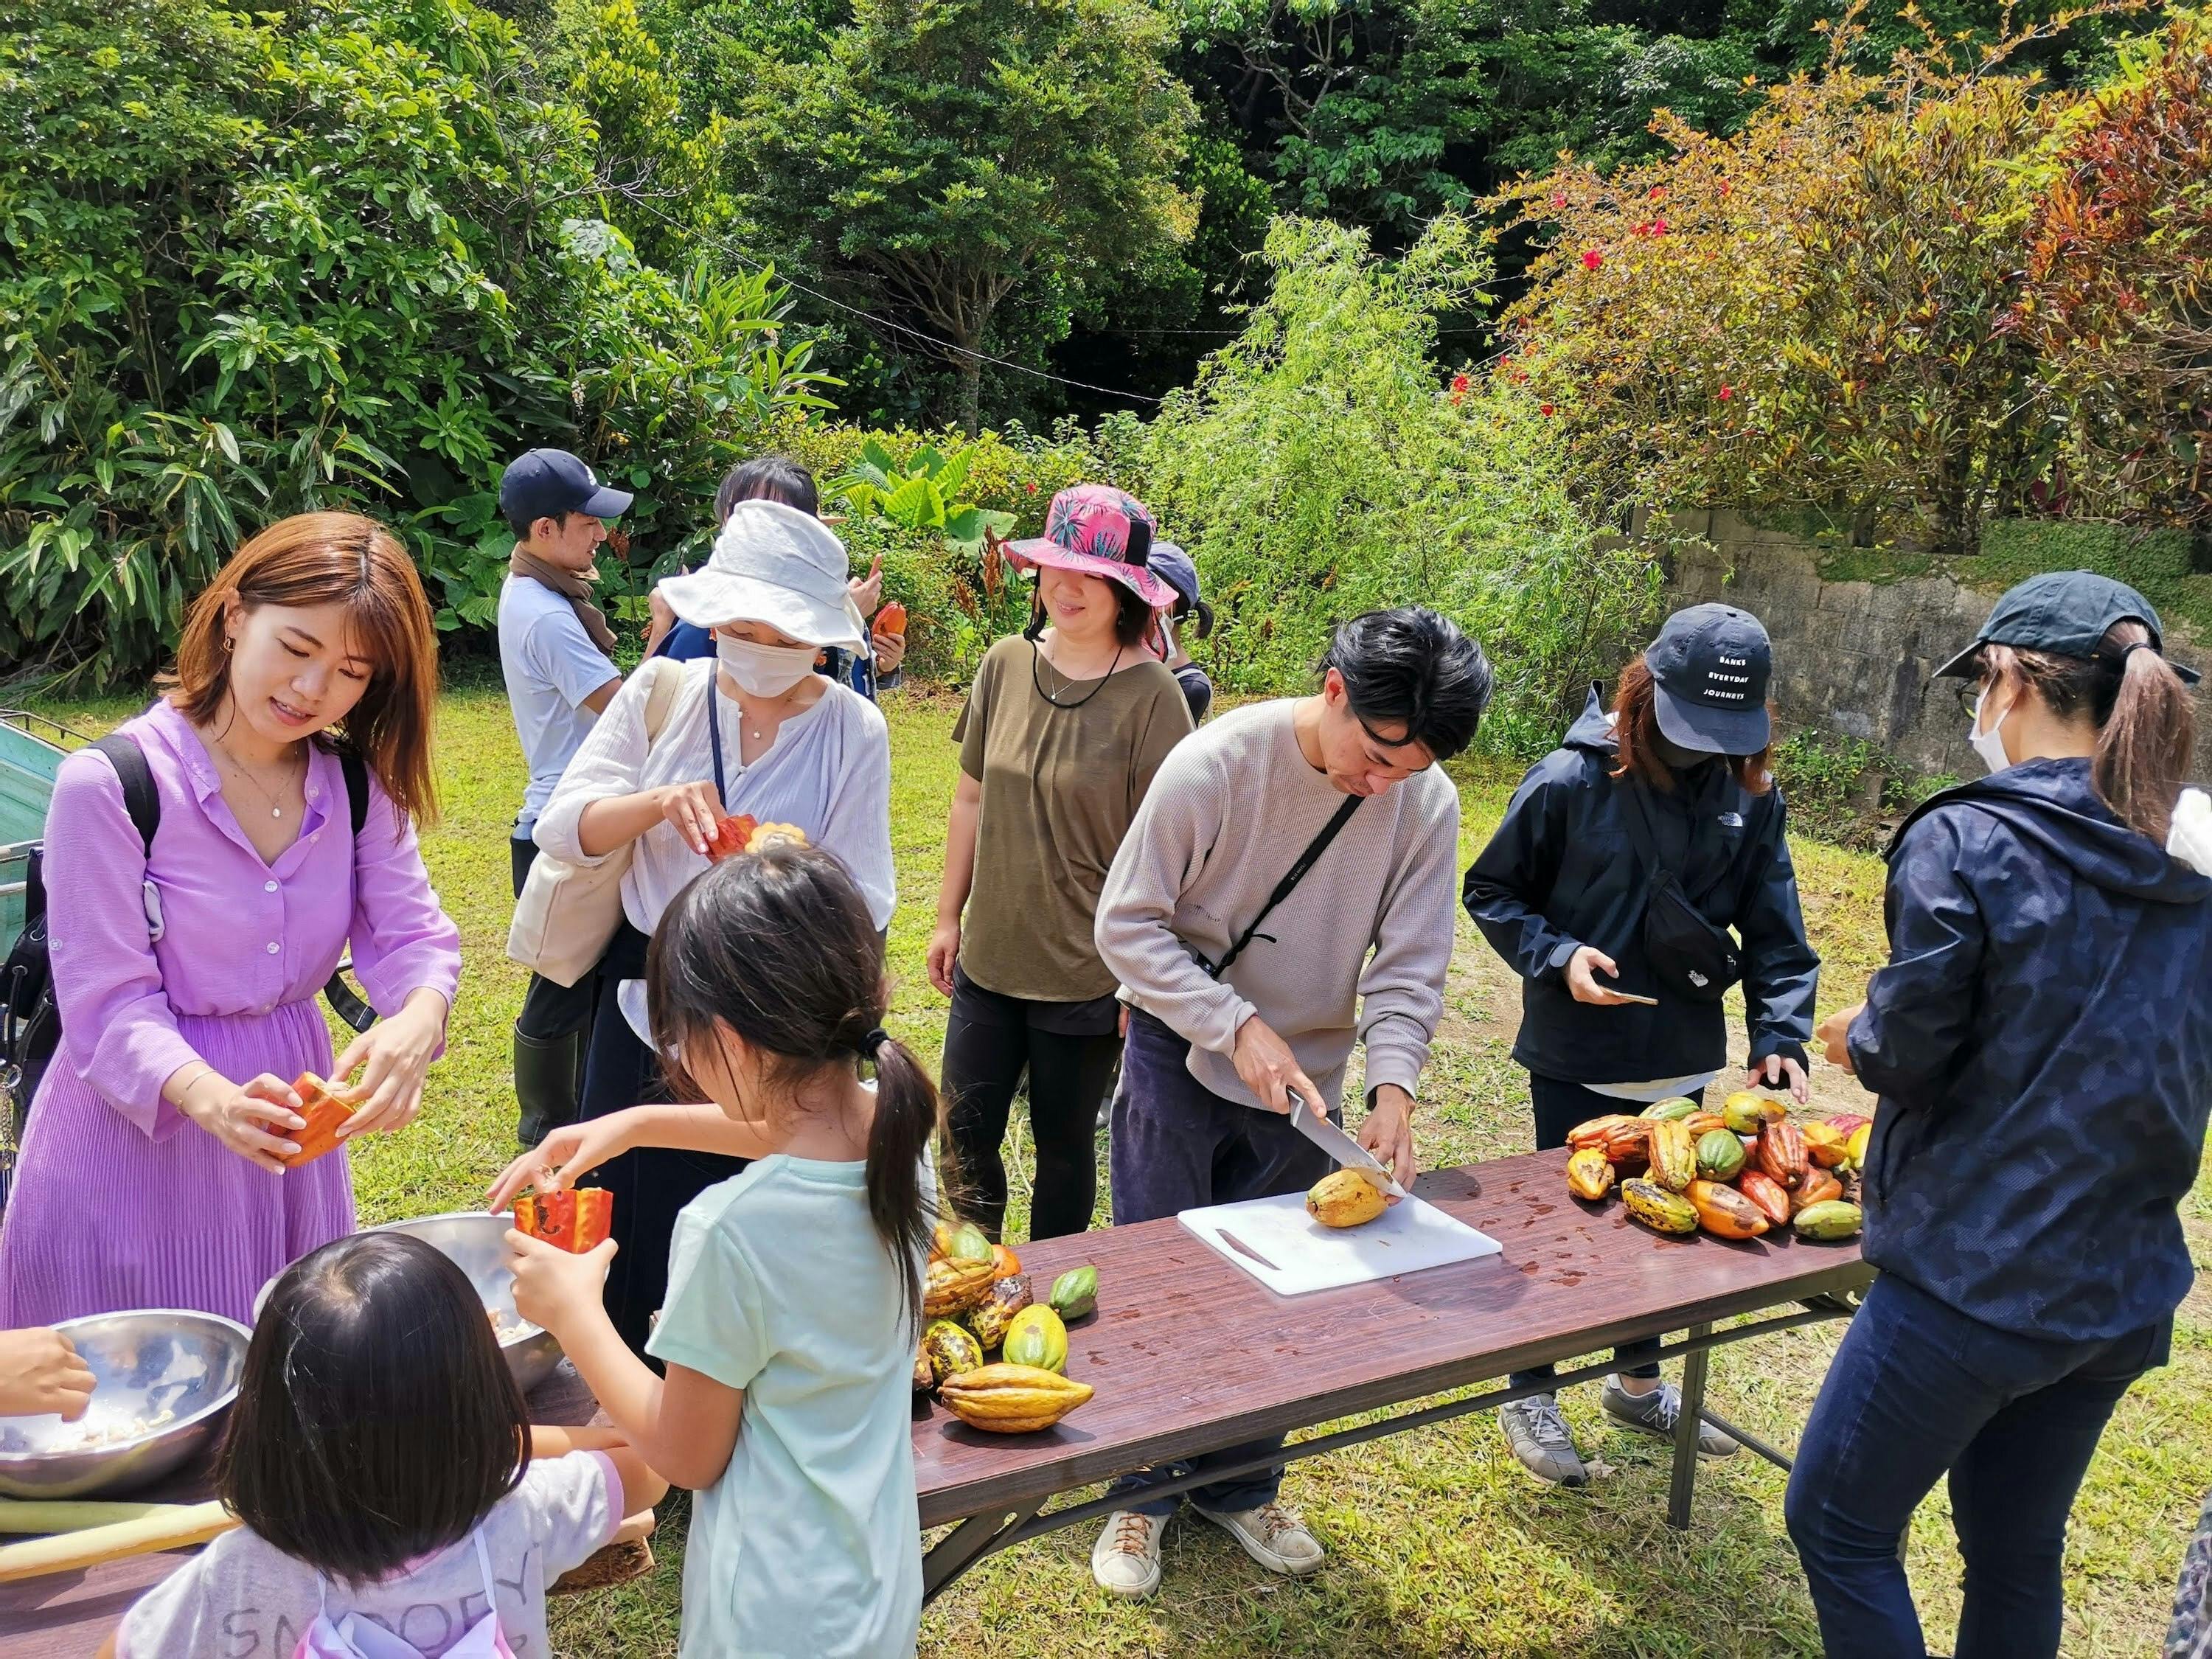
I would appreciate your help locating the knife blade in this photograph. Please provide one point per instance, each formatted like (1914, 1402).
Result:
(1341, 1146)
(1242, 1249)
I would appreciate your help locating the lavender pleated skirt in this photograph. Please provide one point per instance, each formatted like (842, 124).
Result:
(103, 1219)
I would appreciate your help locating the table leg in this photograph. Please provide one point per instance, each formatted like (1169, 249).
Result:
(1686, 1426)
(969, 1543)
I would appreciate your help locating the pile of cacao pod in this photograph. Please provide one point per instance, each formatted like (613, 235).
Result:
(976, 1298)
(1740, 1172)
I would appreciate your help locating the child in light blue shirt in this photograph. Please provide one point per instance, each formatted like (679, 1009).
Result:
(794, 1287)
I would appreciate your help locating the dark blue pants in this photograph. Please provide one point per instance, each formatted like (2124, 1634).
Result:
(1177, 1145)
(1918, 1389)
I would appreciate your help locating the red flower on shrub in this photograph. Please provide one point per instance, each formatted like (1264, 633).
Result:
(1727, 393)
(1459, 385)
(1031, 486)
(1543, 409)
(1559, 201)
(1592, 258)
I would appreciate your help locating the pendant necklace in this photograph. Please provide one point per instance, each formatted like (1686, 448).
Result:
(275, 806)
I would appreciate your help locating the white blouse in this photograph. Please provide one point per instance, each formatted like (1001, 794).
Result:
(828, 771)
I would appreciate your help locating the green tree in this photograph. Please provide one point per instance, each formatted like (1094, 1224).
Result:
(1319, 468)
(942, 160)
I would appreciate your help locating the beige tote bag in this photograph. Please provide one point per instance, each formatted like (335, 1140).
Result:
(568, 913)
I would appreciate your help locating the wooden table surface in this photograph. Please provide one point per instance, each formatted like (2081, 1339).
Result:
(1188, 1354)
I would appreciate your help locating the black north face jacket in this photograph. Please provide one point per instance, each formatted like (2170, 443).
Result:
(1561, 871)
(2041, 1040)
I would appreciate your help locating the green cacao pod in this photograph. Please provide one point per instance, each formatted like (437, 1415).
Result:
(950, 1349)
(1659, 1209)
(1669, 1111)
(1075, 1292)
(1037, 1338)
(1831, 1219)
(1720, 1155)
(1673, 1155)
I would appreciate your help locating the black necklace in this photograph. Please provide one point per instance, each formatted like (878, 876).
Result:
(1036, 655)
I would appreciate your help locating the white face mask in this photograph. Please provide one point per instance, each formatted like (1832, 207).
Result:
(1988, 745)
(766, 670)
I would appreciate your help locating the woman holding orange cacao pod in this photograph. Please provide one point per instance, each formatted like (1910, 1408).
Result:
(276, 788)
(2041, 1041)
(1623, 861)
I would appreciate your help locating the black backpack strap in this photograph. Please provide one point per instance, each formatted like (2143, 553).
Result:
(1295, 874)
(140, 797)
(344, 1002)
(356, 782)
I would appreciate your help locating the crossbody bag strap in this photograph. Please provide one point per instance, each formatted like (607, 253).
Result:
(140, 797)
(1636, 819)
(345, 1002)
(1295, 874)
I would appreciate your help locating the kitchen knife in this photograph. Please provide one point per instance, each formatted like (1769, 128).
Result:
(1242, 1249)
(1341, 1146)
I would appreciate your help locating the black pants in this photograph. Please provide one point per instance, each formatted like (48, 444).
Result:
(548, 1010)
(1067, 1049)
(1558, 1107)
(652, 1184)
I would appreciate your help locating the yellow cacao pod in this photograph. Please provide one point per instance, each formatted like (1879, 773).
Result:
(953, 1287)
(1674, 1155)
(1659, 1209)
(1343, 1199)
(1825, 1144)
(1589, 1175)
(1012, 1399)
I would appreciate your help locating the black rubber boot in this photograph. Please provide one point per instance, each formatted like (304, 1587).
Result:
(549, 1082)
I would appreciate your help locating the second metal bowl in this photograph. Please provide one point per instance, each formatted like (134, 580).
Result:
(163, 1380)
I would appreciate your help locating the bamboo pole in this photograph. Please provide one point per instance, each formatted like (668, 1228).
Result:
(173, 1526)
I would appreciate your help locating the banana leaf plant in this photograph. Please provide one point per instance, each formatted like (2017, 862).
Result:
(921, 494)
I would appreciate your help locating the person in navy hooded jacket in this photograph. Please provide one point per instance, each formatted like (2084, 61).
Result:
(1561, 893)
(2041, 1043)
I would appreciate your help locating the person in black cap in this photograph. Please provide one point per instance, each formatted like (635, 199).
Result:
(2041, 1044)
(1622, 860)
(1174, 566)
(556, 655)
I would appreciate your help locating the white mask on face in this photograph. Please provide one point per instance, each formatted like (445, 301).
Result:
(766, 670)
(1988, 745)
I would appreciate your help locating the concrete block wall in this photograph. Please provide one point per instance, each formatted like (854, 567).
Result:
(1856, 658)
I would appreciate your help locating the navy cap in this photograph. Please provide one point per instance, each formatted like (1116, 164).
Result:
(1710, 666)
(1173, 565)
(547, 482)
(2064, 613)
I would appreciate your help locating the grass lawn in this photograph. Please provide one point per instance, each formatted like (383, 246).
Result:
(1439, 1544)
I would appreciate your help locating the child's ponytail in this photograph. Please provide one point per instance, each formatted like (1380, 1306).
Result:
(906, 1121)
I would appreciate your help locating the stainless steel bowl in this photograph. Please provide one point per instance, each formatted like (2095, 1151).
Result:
(477, 1241)
(164, 1378)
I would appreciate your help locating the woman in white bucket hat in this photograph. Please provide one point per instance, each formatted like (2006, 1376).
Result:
(753, 731)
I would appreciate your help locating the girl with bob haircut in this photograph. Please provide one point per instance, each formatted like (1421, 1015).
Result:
(355, 1534)
(794, 1288)
(185, 970)
(1669, 790)
(2048, 992)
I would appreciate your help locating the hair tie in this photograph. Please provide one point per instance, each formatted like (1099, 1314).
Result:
(2134, 646)
(873, 1040)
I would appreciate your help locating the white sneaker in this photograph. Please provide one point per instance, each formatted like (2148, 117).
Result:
(1273, 1536)
(1126, 1560)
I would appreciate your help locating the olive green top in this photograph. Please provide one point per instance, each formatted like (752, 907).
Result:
(1060, 786)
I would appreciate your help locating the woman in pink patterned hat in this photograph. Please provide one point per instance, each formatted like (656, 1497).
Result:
(1064, 726)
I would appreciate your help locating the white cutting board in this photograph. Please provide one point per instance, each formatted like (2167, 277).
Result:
(1405, 1238)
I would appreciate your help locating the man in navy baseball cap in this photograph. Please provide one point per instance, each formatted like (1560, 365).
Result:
(556, 655)
(551, 483)
(1709, 668)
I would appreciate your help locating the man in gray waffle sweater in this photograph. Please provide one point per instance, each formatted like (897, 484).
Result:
(1356, 951)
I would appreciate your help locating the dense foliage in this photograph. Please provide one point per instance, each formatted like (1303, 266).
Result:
(252, 264)
(1893, 296)
(1320, 467)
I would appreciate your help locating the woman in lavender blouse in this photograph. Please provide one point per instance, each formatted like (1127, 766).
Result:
(187, 979)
